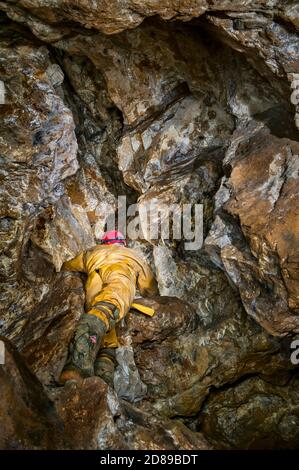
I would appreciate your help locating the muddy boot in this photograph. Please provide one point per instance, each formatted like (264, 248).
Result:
(83, 349)
(105, 364)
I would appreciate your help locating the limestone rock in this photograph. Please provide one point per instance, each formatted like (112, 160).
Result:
(94, 419)
(255, 415)
(127, 382)
(198, 353)
(263, 195)
(271, 47)
(79, 417)
(188, 102)
(38, 147)
(40, 321)
(112, 17)
(27, 414)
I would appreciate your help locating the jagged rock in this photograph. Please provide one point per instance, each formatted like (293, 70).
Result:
(94, 189)
(113, 17)
(38, 147)
(87, 412)
(150, 432)
(200, 112)
(91, 416)
(199, 353)
(127, 382)
(197, 282)
(271, 47)
(169, 147)
(94, 419)
(27, 415)
(79, 417)
(253, 415)
(61, 231)
(43, 326)
(261, 259)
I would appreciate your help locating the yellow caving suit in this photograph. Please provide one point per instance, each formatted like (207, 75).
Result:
(114, 272)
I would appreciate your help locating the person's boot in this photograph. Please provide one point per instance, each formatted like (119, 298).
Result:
(104, 365)
(83, 349)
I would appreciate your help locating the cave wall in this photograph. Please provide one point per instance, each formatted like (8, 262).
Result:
(185, 102)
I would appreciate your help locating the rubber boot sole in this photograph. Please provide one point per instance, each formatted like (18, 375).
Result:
(67, 375)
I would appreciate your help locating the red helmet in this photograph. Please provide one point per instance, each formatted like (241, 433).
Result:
(109, 238)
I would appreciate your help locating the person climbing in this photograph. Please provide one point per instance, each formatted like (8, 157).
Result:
(113, 273)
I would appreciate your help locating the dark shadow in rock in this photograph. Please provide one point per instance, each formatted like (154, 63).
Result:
(280, 121)
(28, 417)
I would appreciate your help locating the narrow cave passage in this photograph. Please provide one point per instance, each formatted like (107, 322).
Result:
(199, 110)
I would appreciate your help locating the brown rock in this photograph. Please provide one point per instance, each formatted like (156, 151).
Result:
(113, 17)
(155, 105)
(43, 322)
(263, 195)
(179, 357)
(38, 147)
(28, 417)
(253, 415)
(95, 419)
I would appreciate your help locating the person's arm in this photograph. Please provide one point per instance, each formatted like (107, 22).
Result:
(75, 264)
(146, 282)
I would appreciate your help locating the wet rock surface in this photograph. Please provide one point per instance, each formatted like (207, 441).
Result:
(95, 419)
(28, 416)
(87, 416)
(256, 415)
(261, 194)
(184, 102)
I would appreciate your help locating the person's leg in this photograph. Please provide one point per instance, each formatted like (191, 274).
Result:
(105, 309)
(104, 365)
(87, 340)
(119, 289)
(105, 362)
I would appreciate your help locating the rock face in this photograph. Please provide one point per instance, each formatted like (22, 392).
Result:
(85, 417)
(95, 419)
(27, 414)
(256, 415)
(189, 102)
(261, 194)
